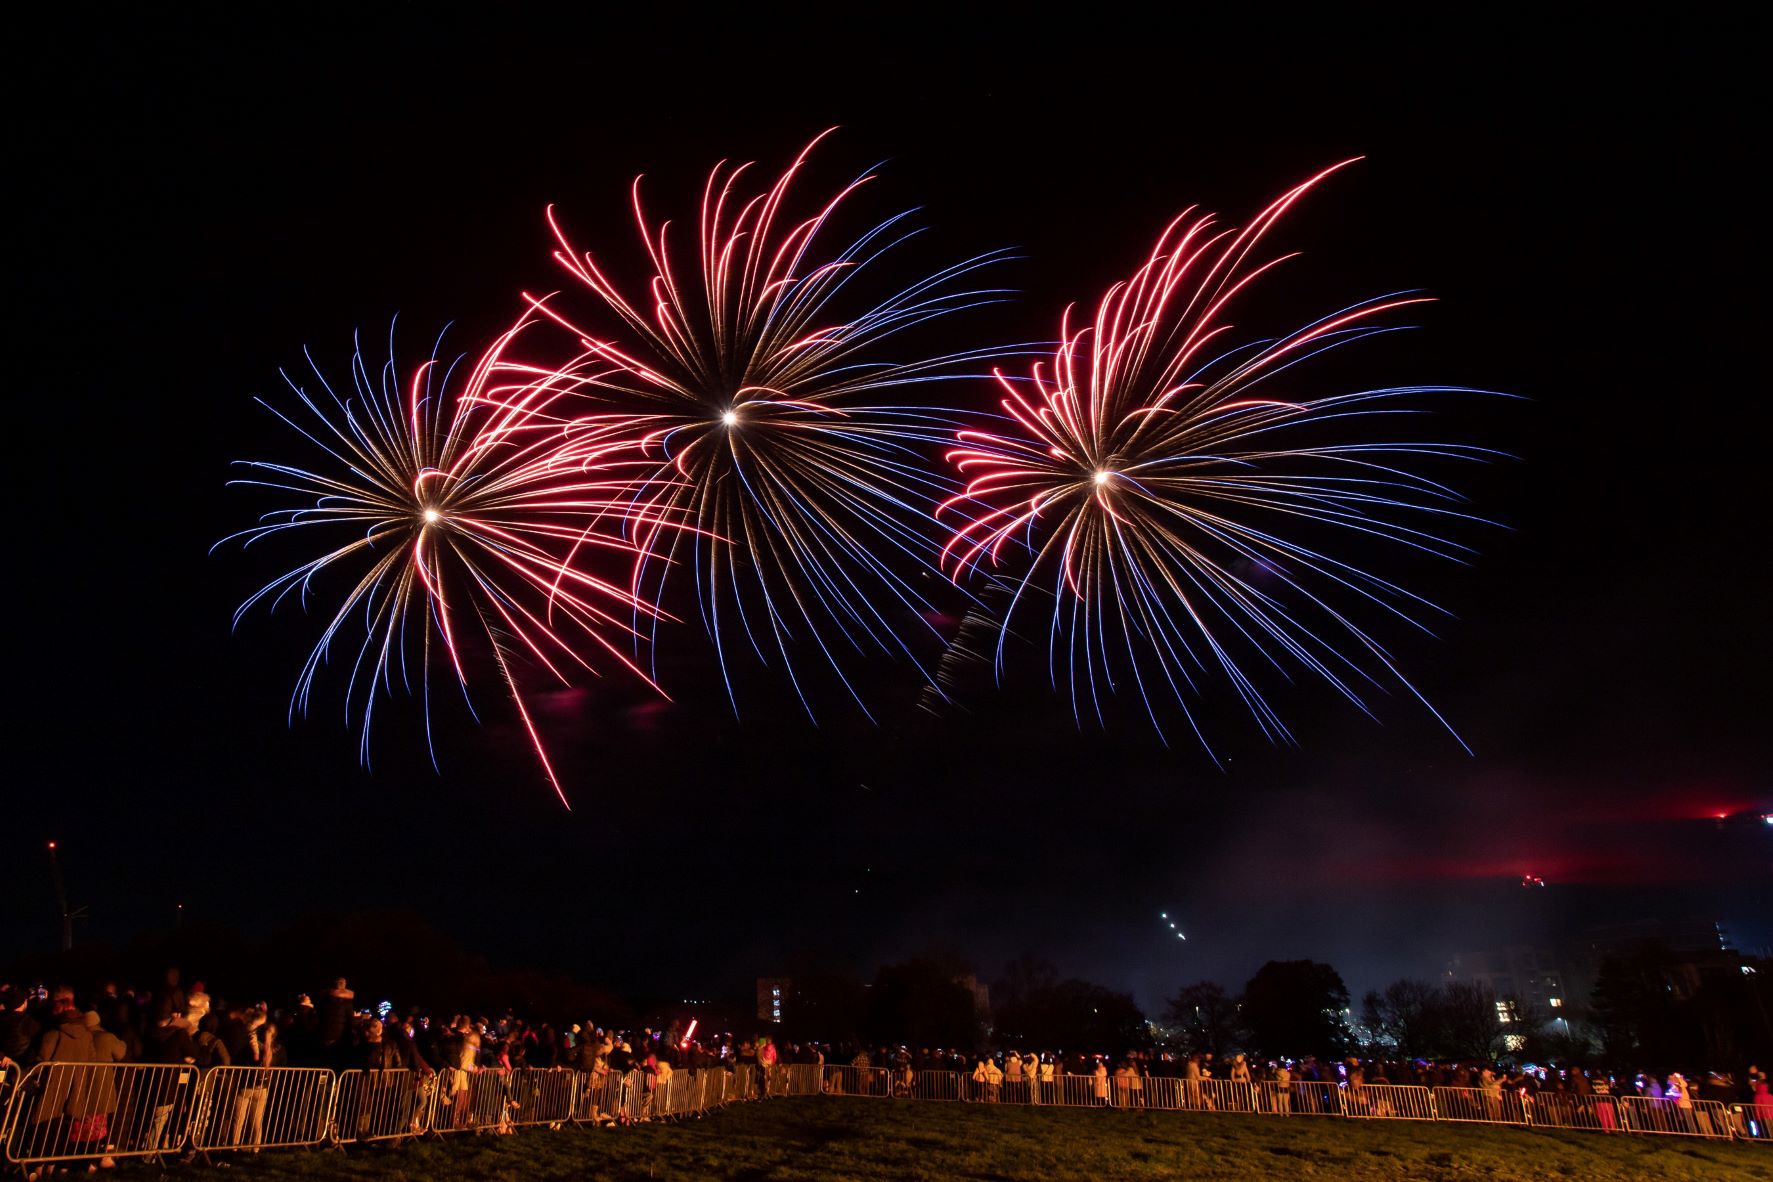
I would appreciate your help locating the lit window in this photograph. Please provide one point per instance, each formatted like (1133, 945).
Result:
(1556, 1002)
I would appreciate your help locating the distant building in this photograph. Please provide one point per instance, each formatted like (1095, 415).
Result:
(1529, 976)
(1546, 979)
(772, 993)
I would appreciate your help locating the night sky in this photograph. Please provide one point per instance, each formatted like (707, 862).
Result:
(206, 194)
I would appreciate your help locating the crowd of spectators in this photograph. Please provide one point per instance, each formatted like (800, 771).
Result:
(1120, 1079)
(179, 1024)
(175, 1024)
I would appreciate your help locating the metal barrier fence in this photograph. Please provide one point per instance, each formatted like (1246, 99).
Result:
(1561, 1110)
(1219, 1095)
(844, 1080)
(679, 1095)
(938, 1085)
(804, 1079)
(472, 1101)
(1752, 1122)
(1274, 1099)
(597, 1098)
(542, 1095)
(1480, 1106)
(1311, 1098)
(1388, 1102)
(254, 1108)
(1693, 1118)
(63, 1112)
(86, 1113)
(1083, 1091)
(382, 1105)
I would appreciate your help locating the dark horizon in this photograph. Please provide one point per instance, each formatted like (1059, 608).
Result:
(208, 196)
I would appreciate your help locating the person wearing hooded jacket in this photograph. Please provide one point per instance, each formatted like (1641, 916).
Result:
(78, 1111)
(107, 1048)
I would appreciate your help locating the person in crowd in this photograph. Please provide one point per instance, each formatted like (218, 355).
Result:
(404, 1033)
(1760, 1106)
(663, 1074)
(1099, 1086)
(263, 1050)
(461, 1052)
(107, 1048)
(169, 1002)
(1281, 1095)
(1192, 1075)
(1606, 1111)
(379, 1052)
(1118, 1081)
(904, 1073)
(1356, 1077)
(1490, 1090)
(232, 1032)
(301, 1032)
(117, 1015)
(378, 1090)
(202, 1028)
(987, 1077)
(545, 1053)
(766, 1065)
(18, 1030)
(1681, 1093)
(75, 1114)
(600, 1069)
(336, 1011)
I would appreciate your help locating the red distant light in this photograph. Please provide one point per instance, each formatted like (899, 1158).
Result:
(52, 845)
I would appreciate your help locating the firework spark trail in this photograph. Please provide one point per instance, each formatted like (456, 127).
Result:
(1149, 479)
(756, 379)
(447, 501)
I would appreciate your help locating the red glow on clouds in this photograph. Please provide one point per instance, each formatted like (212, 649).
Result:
(1551, 866)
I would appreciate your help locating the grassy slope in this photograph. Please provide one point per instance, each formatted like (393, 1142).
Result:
(864, 1139)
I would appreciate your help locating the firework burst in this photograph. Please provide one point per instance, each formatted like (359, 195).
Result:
(1155, 478)
(446, 513)
(754, 374)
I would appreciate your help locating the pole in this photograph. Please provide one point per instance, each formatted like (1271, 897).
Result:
(61, 900)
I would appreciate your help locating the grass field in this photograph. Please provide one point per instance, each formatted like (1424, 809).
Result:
(872, 1139)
